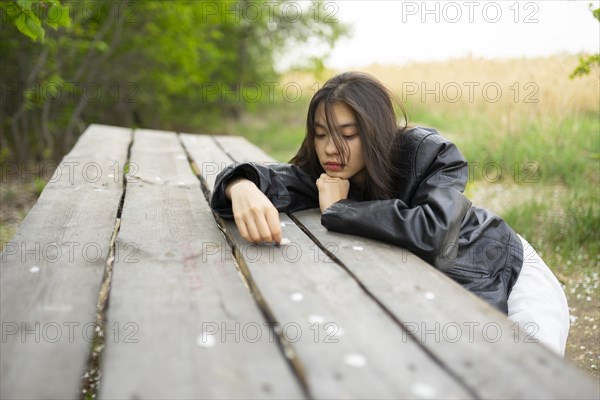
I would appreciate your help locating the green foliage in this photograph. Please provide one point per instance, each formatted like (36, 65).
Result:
(39, 184)
(585, 63)
(4, 154)
(155, 64)
(25, 15)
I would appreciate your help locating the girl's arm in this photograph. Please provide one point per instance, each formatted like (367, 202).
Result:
(429, 224)
(254, 193)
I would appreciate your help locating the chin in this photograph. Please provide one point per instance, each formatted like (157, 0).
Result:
(339, 175)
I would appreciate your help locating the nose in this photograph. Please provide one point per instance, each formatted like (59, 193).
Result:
(330, 147)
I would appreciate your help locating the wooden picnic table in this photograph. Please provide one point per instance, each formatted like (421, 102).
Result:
(120, 282)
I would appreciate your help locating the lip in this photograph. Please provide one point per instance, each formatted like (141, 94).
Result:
(333, 166)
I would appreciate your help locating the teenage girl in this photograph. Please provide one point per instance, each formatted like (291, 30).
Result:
(399, 184)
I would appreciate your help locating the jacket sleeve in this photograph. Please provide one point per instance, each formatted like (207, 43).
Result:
(429, 225)
(288, 187)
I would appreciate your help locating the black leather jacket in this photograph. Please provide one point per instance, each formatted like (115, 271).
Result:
(429, 214)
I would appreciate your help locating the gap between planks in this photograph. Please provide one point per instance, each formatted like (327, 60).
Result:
(90, 380)
(284, 345)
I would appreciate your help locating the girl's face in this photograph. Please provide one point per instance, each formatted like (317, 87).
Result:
(354, 167)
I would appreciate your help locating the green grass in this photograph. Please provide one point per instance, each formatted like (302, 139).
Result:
(39, 184)
(564, 234)
(277, 128)
(565, 149)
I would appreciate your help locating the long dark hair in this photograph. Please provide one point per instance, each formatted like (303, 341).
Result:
(373, 107)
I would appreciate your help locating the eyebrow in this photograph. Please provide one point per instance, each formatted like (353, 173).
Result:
(350, 124)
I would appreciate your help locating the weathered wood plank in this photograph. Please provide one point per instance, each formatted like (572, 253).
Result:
(348, 346)
(197, 326)
(344, 343)
(209, 157)
(52, 269)
(473, 340)
(241, 150)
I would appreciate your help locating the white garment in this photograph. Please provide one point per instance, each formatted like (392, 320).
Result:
(538, 303)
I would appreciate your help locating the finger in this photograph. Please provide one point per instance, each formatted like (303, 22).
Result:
(253, 230)
(274, 225)
(263, 228)
(323, 178)
(241, 225)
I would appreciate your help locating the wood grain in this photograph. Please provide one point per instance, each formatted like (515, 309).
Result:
(472, 340)
(198, 332)
(52, 268)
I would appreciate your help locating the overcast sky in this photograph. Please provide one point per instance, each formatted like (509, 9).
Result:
(396, 32)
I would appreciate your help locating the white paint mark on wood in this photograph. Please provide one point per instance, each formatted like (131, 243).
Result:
(297, 296)
(423, 390)
(355, 360)
(206, 340)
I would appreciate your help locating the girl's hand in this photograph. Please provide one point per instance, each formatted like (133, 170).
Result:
(255, 216)
(331, 190)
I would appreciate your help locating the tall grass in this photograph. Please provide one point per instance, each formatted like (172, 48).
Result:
(565, 234)
(540, 116)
